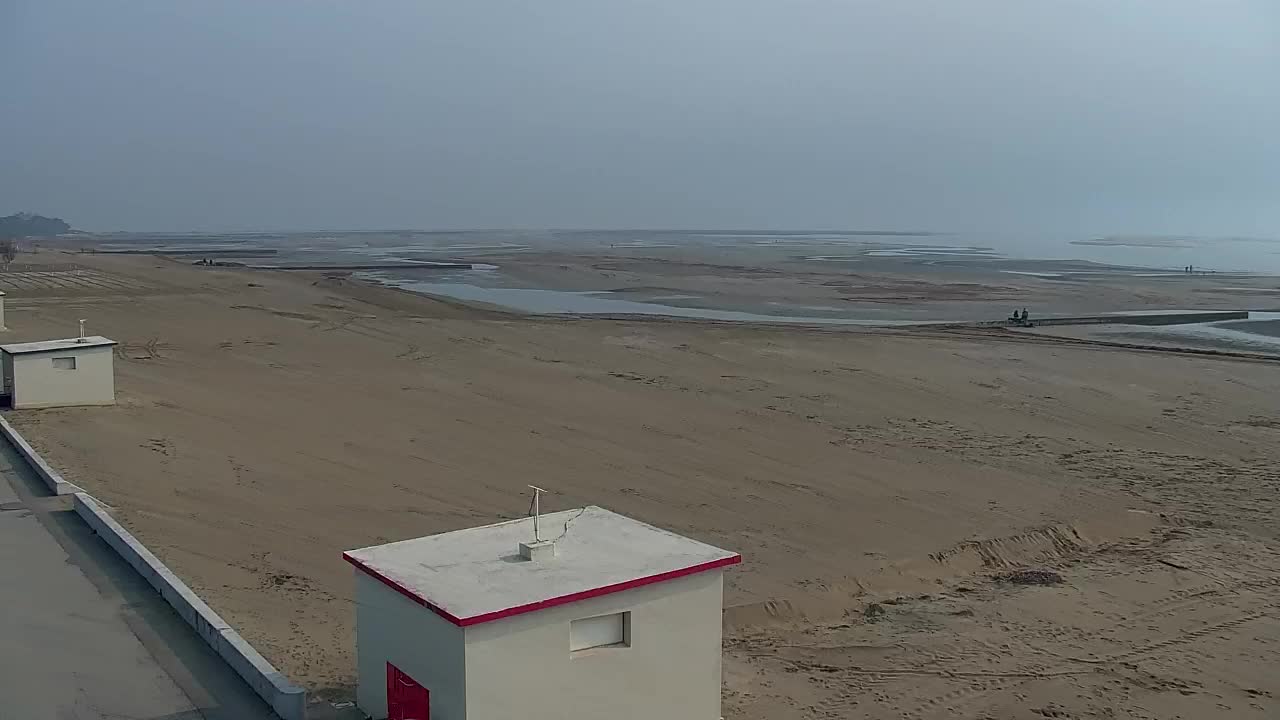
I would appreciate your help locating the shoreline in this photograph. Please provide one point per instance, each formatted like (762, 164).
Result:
(907, 329)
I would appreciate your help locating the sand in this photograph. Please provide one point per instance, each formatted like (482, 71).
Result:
(874, 482)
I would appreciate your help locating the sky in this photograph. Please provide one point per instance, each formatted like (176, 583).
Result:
(1087, 116)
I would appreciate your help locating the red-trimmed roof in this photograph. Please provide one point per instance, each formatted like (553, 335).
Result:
(474, 576)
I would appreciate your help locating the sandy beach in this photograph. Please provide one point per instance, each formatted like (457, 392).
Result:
(878, 482)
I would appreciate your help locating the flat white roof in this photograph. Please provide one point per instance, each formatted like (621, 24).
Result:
(56, 345)
(477, 575)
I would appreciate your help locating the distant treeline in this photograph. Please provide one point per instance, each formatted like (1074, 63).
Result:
(31, 225)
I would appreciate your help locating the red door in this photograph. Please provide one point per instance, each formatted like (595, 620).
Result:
(406, 699)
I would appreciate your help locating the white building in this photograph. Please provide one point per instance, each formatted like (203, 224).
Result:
(613, 619)
(58, 373)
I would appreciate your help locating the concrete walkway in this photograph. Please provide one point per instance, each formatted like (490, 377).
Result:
(82, 636)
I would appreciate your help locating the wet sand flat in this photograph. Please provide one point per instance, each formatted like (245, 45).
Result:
(874, 481)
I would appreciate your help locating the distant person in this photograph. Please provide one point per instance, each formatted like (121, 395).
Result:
(1025, 315)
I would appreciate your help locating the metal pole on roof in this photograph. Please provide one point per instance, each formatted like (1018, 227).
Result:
(537, 510)
(81, 338)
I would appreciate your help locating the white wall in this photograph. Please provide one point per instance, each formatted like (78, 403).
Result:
(392, 628)
(37, 384)
(521, 666)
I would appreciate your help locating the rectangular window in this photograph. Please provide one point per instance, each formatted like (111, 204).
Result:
(601, 631)
(64, 363)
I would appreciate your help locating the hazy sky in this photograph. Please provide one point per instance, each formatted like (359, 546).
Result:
(1091, 116)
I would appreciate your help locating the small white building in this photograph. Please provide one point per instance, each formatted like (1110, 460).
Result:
(612, 620)
(59, 373)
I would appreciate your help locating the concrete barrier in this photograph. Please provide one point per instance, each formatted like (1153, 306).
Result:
(1152, 318)
(1170, 318)
(288, 700)
(51, 477)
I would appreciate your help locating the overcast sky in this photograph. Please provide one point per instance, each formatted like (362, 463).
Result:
(1090, 116)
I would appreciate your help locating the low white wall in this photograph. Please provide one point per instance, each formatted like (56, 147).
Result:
(288, 700)
(52, 479)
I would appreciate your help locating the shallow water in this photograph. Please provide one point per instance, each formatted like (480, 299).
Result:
(911, 252)
(1048, 275)
(1260, 333)
(835, 258)
(559, 302)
